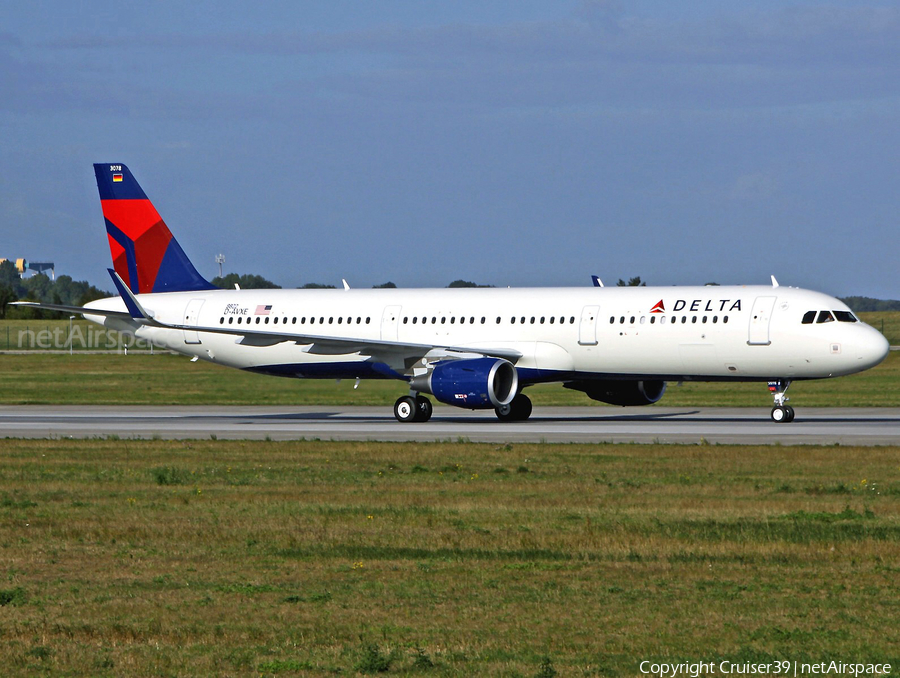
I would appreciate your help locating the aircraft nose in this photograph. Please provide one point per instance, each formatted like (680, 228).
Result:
(872, 347)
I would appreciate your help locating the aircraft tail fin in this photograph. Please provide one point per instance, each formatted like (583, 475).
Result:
(145, 254)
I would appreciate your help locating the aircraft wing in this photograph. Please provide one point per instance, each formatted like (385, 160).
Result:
(73, 309)
(344, 345)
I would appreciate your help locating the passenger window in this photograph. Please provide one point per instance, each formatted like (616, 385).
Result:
(825, 317)
(808, 318)
(845, 317)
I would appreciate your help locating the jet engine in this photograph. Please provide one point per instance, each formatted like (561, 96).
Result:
(476, 384)
(621, 392)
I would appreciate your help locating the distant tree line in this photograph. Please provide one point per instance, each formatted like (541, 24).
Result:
(39, 287)
(866, 304)
(247, 281)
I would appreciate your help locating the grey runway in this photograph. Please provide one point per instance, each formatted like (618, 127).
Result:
(844, 426)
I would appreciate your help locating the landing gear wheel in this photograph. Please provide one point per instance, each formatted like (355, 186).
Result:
(405, 409)
(518, 410)
(782, 414)
(424, 409)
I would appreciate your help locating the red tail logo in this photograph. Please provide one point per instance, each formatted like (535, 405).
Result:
(658, 307)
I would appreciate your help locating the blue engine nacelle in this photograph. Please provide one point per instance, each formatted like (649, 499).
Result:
(476, 384)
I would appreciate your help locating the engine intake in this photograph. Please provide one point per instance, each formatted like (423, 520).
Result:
(624, 392)
(476, 384)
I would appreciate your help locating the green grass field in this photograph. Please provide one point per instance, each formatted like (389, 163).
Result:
(165, 379)
(136, 558)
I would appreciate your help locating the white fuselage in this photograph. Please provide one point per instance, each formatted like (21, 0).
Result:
(702, 333)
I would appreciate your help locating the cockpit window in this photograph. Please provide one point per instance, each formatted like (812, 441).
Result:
(825, 317)
(845, 317)
(809, 317)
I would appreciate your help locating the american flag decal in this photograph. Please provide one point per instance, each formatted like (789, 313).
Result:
(263, 310)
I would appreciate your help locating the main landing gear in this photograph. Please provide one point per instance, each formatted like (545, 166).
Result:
(413, 407)
(781, 413)
(417, 408)
(518, 410)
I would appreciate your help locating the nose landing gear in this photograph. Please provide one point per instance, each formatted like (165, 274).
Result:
(781, 413)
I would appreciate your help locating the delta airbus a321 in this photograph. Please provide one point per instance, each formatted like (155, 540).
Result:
(473, 348)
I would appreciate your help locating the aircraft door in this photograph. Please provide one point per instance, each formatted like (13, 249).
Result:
(760, 317)
(192, 317)
(389, 321)
(587, 329)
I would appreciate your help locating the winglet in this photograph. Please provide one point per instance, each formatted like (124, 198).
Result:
(131, 303)
(774, 282)
(596, 280)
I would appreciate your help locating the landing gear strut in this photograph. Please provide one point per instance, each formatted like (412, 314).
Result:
(518, 410)
(413, 407)
(781, 413)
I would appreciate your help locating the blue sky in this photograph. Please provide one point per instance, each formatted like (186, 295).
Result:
(509, 143)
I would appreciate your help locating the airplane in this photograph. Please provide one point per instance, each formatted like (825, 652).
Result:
(472, 348)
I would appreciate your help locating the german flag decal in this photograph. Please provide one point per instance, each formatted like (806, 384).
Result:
(658, 307)
(117, 178)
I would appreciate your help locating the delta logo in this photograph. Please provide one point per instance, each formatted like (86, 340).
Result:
(709, 305)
